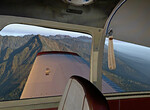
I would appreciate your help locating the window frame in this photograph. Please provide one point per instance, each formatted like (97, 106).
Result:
(96, 33)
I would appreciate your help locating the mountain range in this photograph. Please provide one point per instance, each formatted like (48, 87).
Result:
(17, 55)
(128, 75)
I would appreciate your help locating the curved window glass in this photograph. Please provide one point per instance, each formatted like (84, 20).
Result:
(132, 67)
(19, 48)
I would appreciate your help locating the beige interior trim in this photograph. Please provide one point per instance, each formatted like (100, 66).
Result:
(96, 33)
(111, 55)
(6, 20)
(127, 95)
(131, 22)
(37, 103)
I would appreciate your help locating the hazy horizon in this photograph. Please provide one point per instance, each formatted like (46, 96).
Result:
(22, 29)
(123, 47)
(131, 49)
(41, 35)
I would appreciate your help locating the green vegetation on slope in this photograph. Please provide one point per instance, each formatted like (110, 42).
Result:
(16, 60)
(125, 76)
(18, 54)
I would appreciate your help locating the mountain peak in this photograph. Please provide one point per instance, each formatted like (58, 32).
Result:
(39, 36)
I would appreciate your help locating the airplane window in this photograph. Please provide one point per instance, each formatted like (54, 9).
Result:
(132, 67)
(19, 48)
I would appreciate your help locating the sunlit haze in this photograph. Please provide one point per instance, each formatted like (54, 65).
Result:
(21, 30)
(124, 47)
(131, 49)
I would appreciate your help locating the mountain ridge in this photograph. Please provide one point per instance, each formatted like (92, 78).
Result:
(16, 63)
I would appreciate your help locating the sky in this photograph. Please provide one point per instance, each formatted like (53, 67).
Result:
(124, 47)
(21, 30)
(131, 49)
